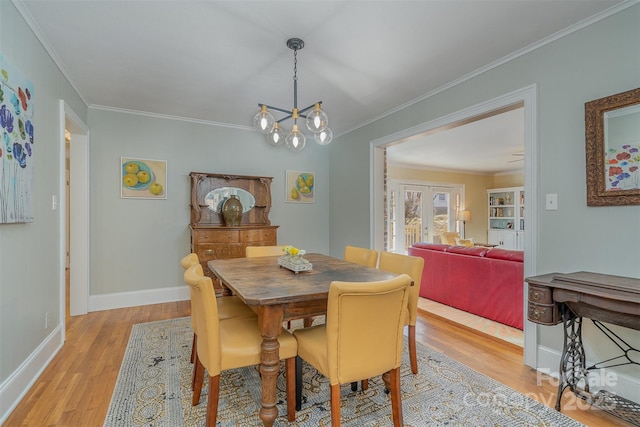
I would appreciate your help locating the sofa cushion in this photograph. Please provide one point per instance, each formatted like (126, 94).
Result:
(505, 254)
(464, 242)
(468, 250)
(431, 246)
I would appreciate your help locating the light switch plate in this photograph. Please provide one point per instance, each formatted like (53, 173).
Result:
(552, 202)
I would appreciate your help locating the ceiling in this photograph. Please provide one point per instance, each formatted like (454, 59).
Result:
(494, 144)
(214, 61)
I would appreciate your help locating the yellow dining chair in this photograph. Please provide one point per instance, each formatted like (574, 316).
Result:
(186, 262)
(362, 337)
(229, 344)
(256, 251)
(228, 306)
(413, 266)
(362, 256)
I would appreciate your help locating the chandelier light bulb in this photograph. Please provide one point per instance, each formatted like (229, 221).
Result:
(295, 140)
(263, 122)
(276, 136)
(317, 120)
(324, 137)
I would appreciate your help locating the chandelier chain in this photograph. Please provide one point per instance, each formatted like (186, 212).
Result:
(295, 64)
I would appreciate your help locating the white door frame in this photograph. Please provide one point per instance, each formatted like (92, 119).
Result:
(527, 96)
(78, 212)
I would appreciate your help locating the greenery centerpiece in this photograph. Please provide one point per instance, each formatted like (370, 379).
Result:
(292, 259)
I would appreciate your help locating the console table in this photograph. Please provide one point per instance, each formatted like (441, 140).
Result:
(568, 298)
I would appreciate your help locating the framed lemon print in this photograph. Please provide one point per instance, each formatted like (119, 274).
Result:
(143, 178)
(300, 187)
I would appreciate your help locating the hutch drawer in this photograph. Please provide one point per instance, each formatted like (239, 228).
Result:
(265, 236)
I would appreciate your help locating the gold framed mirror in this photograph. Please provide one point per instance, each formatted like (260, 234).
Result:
(612, 135)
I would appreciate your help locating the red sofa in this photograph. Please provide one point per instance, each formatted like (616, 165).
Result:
(483, 281)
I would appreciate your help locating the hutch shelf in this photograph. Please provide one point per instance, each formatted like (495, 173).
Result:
(210, 237)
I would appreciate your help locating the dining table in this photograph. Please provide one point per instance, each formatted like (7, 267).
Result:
(277, 294)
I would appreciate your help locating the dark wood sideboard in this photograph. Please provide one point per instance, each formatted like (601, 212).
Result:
(211, 238)
(569, 298)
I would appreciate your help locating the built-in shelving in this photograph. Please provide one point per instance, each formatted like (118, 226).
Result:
(506, 220)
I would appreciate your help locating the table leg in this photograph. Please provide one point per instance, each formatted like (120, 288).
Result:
(573, 360)
(270, 321)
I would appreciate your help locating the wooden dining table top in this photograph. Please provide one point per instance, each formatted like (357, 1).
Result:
(261, 281)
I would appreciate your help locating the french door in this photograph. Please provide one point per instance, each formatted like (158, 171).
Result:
(420, 213)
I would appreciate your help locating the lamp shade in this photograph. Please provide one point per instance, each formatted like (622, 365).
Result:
(464, 216)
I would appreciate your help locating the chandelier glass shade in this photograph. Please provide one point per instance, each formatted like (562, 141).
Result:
(263, 121)
(316, 120)
(276, 136)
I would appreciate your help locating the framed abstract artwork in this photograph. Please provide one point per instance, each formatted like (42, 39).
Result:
(300, 187)
(16, 145)
(612, 136)
(143, 178)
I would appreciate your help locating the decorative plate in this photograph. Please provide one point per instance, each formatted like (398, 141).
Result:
(141, 166)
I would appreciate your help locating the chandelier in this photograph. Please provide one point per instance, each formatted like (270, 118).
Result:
(316, 120)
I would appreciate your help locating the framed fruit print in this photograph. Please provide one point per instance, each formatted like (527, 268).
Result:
(300, 187)
(143, 178)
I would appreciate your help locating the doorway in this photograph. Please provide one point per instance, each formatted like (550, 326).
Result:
(74, 214)
(525, 97)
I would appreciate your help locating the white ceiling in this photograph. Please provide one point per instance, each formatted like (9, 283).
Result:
(214, 61)
(491, 145)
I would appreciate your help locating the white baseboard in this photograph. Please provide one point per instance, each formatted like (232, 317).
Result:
(622, 384)
(137, 298)
(14, 388)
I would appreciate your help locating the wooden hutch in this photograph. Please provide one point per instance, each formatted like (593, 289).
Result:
(210, 237)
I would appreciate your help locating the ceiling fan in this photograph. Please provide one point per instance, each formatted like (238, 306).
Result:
(519, 154)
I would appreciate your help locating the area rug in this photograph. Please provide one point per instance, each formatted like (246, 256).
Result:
(154, 389)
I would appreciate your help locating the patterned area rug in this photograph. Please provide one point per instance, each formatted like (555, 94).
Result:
(154, 389)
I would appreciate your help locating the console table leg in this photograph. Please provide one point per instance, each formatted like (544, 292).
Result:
(573, 360)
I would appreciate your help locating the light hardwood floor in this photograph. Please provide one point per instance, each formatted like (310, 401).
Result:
(76, 388)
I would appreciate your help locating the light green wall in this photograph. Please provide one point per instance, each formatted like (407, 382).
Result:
(596, 61)
(30, 253)
(136, 244)
(507, 180)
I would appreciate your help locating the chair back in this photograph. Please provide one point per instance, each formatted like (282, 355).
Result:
(362, 256)
(189, 260)
(449, 237)
(258, 251)
(364, 328)
(186, 262)
(204, 301)
(405, 264)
